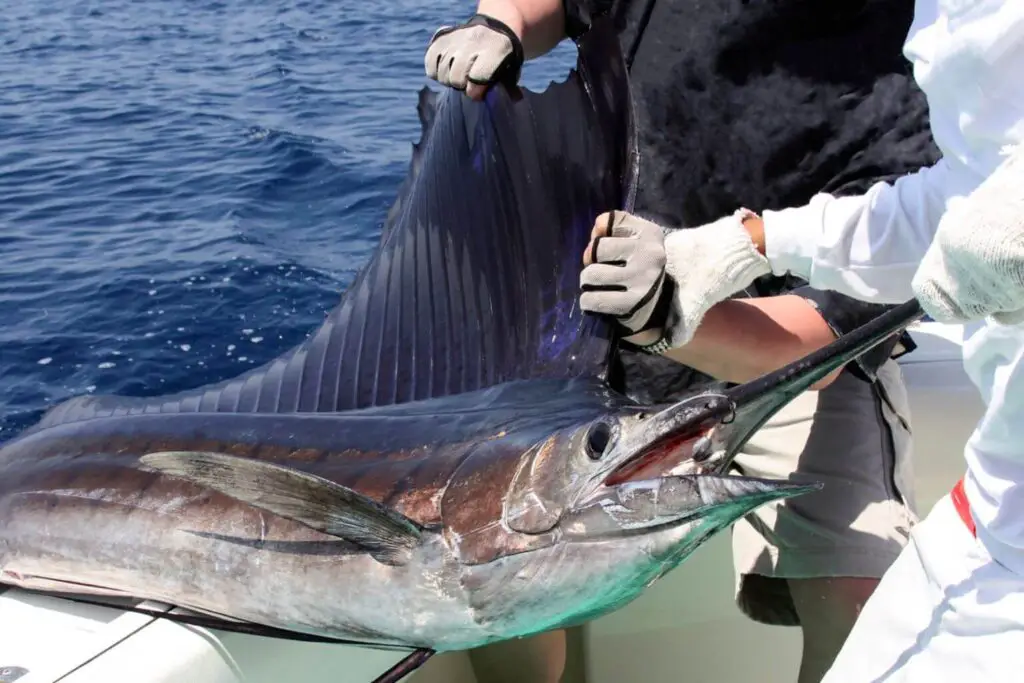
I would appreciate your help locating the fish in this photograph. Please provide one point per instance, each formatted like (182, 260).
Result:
(445, 462)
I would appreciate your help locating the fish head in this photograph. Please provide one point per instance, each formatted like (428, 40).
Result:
(588, 516)
(567, 477)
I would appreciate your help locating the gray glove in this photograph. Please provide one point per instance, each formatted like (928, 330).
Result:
(651, 279)
(482, 51)
(625, 277)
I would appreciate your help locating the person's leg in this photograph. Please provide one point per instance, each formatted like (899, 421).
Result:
(828, 609)
(813, 561)
(539, 658)
(945, 611)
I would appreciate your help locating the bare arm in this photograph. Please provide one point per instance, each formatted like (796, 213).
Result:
(540, 24)
(742, 339)
(737, 339)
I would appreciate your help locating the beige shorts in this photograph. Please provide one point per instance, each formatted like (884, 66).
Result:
(854, 437)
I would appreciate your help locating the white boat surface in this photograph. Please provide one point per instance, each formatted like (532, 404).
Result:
(683, 628)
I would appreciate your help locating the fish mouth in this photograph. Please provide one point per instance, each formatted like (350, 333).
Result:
(652, 504)
(671, 469)
(690, 445)
(683, 438)
(689, 452)
(702, 434)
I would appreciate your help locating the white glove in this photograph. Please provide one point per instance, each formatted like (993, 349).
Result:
(708, 265)
(705, 265)
(974, 267)
(482, 51)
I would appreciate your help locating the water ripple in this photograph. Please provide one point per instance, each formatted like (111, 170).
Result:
(186, 187)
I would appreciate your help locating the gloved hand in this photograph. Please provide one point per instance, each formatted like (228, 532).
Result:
(480, 52)
(652, 279)
(624, 273)
(974, 267)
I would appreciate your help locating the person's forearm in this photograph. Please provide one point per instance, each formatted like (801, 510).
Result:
(540, 24)
(741, 339)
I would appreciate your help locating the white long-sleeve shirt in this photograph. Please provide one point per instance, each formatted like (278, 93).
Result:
(968, 58)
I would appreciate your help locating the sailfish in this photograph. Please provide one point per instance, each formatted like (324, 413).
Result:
(445, 461)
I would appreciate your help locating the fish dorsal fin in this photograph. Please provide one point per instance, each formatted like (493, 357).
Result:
(426, 107)
(475, 281)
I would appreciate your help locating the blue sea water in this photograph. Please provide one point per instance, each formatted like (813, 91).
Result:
(187, 186)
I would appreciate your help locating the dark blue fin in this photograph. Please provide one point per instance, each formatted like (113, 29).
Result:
(476, 278)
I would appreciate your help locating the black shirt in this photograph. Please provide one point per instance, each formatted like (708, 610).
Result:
(763, 104)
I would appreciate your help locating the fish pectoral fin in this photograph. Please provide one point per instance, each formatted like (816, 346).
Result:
(305, 498)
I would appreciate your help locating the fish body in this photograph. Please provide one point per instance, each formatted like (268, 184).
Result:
(445, 462)
(79, 514)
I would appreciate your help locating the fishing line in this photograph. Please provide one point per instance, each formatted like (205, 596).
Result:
(202, 621)
(409, 663)
(412, 661)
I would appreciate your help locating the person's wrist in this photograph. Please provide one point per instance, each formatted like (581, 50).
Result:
(505, 12)
(646, 337)
(754, 225)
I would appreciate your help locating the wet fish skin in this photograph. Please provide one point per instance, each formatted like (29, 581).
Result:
(96, 515)
(457, 384)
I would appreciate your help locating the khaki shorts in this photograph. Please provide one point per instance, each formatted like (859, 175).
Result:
(854, 437)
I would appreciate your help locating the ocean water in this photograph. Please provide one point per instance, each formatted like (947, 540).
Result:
(187, 186)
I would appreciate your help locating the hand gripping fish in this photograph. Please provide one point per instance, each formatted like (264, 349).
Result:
(443, 463)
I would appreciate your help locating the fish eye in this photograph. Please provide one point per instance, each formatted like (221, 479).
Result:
(597, 440)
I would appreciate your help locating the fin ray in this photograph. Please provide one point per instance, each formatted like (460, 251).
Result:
(475, 280)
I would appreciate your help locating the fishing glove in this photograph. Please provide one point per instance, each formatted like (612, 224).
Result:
(482, 51)
(625, 277)
(974, 266)
(650, 278)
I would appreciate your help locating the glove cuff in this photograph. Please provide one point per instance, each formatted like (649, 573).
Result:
(661, 317)
(726, 241)
(714, 261)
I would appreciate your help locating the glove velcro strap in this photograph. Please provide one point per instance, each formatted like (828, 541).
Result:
(660, 317)
(660, 313)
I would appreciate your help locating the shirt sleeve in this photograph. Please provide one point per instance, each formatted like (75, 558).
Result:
(868, 246)
(967, 58)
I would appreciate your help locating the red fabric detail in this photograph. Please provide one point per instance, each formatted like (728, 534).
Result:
(963, 508)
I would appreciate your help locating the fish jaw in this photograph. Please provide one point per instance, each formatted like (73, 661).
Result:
(633, 507)
(704, 433)
(606, 557)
